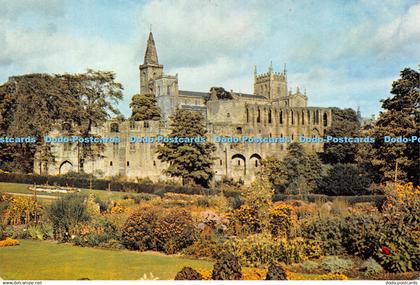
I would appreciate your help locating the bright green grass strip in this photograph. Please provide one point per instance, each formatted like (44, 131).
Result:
(23, 188)
(44, 260)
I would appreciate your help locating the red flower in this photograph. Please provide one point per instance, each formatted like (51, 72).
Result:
(386, 250)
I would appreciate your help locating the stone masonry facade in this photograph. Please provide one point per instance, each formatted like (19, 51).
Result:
(272, 111)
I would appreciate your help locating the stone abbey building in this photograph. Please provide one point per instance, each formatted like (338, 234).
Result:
(272, 111)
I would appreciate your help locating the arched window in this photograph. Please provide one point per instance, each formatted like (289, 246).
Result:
(269, 116)
(247, 115)
(110, 163)
(325, 120)
(259, 116)
(298, 118)
(292, 118)
(114, 128)
(281, 117)
(303, 118)
(309, 117)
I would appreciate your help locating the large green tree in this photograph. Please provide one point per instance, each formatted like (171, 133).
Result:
(144, 107)
(398, 119)
(97, 95)
(192, 161)
(297, 173)
(345, 123)
(32, 104)
(344, 179)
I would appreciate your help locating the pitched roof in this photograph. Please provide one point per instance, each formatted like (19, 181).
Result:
(150, 56)
(206, 94)
(193, 93)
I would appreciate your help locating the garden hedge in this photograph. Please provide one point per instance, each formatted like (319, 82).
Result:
(160, 189)
(101, 184)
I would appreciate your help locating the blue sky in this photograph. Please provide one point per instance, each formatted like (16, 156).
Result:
(345, 53)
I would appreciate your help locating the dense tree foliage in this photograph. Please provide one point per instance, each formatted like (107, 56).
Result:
(144, 107)
(344, 179)
(298, 172)
(398, 119)
(191, 160)
(31, 105)
(345, 123)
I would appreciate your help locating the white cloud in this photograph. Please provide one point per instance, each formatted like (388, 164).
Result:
(197, 32)
(401, 34)
(224, 71)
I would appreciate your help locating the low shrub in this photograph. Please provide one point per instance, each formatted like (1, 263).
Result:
(328, 231)
(8, 242)
(260, 250)
(151, 228)
(68, 213)
(244, 220)
(227, 267)
(371, 267)
(99, 233)
(282, 220)
(253, 273)
(174, 230)
(334, 264)
(332, 276)
(309, 265)
(40, 231)
(138, 231)
(276, 272)
(361, 234)
(187, 273)
(203, 248)
(205, 273)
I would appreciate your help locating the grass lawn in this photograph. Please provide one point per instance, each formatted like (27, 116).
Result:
(23, 188)
(47, 260)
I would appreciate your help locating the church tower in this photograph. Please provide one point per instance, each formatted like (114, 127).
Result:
(272, 85)
(150, 70)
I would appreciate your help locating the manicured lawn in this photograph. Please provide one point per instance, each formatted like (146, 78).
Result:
(48, 261)
(23, 188)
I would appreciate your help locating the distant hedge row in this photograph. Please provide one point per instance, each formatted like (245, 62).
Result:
(160, 189)
(101, 184)
(375, 199)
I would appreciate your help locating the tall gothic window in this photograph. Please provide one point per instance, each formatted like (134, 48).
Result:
(292, 117)
(281, 117)
(303, 118)
(259, 116)
(247, 115)
(269, 116)
(325, 120)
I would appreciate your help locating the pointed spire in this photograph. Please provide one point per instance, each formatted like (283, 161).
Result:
(150, 57)
(270, 69)
(255, 71)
